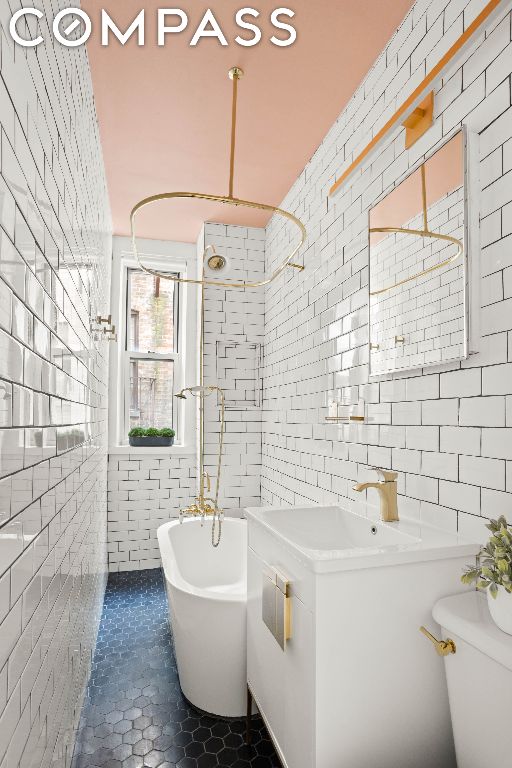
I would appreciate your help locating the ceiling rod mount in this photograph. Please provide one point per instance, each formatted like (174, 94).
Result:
(235, 72)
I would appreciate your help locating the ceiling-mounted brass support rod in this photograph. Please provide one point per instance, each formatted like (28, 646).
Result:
(235, 73)
(424, 197)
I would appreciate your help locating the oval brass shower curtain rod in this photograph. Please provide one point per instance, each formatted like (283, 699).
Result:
(235, 73)
(425, 232)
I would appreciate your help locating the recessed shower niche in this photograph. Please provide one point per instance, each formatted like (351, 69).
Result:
(420, 264)
(239, 373)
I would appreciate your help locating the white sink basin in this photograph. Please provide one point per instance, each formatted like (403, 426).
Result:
(333, 539)
(332, 528)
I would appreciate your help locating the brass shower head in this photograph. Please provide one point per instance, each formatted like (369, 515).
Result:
(199, 389)
(216, 262)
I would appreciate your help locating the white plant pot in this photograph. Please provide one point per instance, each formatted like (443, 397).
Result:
(500, 608)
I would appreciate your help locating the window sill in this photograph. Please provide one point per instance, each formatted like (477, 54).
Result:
(167, 451)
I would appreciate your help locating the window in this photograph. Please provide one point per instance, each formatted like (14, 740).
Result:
(152, 354)
(156, 354)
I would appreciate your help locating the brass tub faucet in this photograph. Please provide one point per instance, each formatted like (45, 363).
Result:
(388, 488)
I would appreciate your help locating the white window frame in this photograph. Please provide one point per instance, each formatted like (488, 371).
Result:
(176, 356)
(168, 257)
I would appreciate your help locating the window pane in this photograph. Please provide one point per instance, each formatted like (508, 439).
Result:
(151, 313)
(151, 393)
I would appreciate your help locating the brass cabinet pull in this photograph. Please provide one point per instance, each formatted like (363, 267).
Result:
(276, 605)
(443, 647)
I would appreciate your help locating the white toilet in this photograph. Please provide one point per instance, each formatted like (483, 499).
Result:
(479, 679)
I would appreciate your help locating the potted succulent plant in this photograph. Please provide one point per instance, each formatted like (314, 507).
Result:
(151, 437)
(494, 573)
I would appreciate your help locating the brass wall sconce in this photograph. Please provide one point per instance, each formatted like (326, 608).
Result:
(419, 121)
(488, 12)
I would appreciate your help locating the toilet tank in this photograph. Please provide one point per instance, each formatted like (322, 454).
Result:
(479, 677)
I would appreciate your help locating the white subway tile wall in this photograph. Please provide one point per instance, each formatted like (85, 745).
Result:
(54, 274)
(144, 490)
(143, 493)
(447, 432)
(237, 316)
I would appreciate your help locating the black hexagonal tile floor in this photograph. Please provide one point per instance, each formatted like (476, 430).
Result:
(134, 715)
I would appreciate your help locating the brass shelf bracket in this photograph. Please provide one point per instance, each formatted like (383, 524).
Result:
(348, 415)
(344, 419)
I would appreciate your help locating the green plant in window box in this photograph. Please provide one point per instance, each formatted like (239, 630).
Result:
(151, 437)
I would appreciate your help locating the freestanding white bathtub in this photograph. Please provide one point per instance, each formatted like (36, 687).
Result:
(207, 593)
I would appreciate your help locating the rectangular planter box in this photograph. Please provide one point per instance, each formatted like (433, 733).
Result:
(151, 442)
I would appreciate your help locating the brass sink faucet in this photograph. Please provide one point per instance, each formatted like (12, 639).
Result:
(387, 488)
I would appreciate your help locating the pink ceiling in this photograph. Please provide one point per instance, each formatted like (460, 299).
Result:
(164, 112)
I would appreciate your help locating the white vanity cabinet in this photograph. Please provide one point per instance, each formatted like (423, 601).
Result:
(357, 684)
(281, 681)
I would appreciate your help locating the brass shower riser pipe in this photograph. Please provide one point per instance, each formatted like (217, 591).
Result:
(234, 73)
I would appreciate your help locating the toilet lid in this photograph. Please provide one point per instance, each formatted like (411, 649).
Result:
(467, 616)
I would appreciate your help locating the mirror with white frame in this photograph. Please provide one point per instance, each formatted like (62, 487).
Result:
(418, 272)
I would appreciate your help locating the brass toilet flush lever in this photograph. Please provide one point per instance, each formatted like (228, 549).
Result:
(443, 647)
